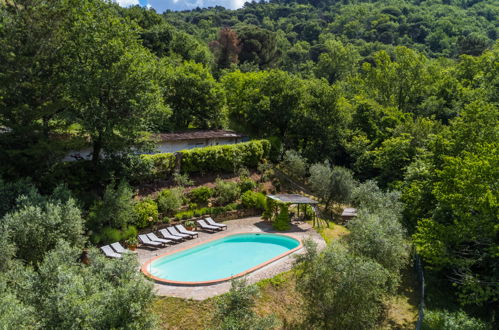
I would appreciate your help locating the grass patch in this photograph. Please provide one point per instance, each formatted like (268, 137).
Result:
(183, 314)
(278, 296)
(402, 308)
(334, 232)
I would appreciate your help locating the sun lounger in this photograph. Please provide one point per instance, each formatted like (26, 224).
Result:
(182, 230)
(154, 238)
(175, 232)
(169, 236)
(206, 226)
(212, 222)
(146, 241)
(109, 252)
(120, 249)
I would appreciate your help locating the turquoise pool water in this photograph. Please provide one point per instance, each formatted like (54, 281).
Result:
(221, 258)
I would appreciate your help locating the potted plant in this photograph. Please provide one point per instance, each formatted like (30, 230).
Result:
(132, 243)
(190, 225)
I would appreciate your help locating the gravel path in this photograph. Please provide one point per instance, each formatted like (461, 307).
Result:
(252, 224)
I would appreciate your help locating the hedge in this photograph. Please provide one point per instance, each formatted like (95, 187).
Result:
(224, 158)
(157, 166)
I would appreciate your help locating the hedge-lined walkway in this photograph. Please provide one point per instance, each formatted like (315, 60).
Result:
(252, 224)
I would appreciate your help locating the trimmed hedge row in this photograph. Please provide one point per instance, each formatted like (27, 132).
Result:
(157, 166)
(221, 158)
(224, 157)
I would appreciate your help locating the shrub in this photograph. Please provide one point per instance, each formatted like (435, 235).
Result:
(234, 310)
(295, 164)
(110, 235)
(251, 199)
(10, 191)
(200, 195)
(116, 209)
(282, 222)
(170, 200)
(146, 211)
(247, 184)
(436, 320)
(226, 191)
(182, 179)
(129, 232)
(156, 166)
(224, 158)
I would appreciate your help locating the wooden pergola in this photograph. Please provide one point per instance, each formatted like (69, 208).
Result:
(295, 199)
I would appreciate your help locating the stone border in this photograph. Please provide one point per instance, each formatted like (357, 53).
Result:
(225, 279)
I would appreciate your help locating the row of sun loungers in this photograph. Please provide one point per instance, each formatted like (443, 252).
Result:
(173, 234)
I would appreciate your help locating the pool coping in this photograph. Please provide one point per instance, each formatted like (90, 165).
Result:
(225, 279)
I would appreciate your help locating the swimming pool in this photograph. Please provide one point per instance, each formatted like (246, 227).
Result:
(220, 259)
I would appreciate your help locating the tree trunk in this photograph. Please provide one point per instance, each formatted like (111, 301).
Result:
(97, 148)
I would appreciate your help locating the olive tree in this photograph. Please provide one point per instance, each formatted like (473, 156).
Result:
(64, 293)
(35, 228)
(341, 290)
(381, 238)
(234, 310)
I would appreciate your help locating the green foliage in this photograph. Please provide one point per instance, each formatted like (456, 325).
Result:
(224, 157)
(194, 96)
(65, 293)
(459, 320)
(116, 209)
(340, 289)
(170, 200)
(200, 194)
(234, 310)
(182, 179)
(226, 191)
(146, 212)
(331, 184)
(295, 164)
(37, 225)
(246, 184)
(252, 199)
(155, 166)
(213, 211)
(382, 238)
(10, 192)
(282, 222)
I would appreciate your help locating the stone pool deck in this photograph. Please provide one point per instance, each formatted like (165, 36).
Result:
(253, 225)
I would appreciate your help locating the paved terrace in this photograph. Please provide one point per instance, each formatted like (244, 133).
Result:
(252, 224)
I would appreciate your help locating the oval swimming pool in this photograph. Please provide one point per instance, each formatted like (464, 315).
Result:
(220, 259)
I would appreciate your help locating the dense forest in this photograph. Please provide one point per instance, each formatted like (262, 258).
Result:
(401, 92)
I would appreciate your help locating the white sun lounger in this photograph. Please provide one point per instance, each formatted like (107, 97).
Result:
(109, 252)
(212, 222)
(206, 226)
(175, 232)
(146, 241)
(167, 235)
(183, 230)
(154, 238)
(120, 249)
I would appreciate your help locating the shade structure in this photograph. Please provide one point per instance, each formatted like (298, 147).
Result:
(293, 199)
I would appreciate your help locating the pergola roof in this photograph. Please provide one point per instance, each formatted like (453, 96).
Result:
(349, 212)
(293, 199)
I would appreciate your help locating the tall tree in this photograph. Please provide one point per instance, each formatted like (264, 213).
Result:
(226, 48)
(33, 76)
(193, 94)
(113, 85)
